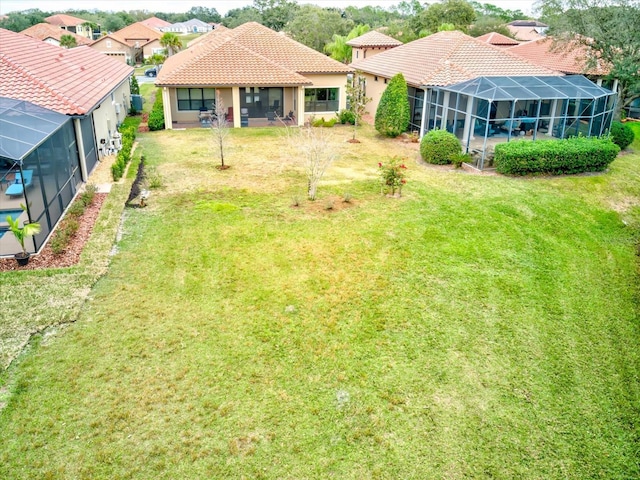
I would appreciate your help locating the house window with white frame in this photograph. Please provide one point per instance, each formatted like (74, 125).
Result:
(321, 99)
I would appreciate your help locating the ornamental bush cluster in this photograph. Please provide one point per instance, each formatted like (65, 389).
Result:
(621, 134)
(346, 117)
(156, 117)
(124, 155)
(392, 175)
(392, 116)
(571, 155)
(440, 147)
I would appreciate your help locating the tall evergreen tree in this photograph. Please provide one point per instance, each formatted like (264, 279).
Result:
(393, 114)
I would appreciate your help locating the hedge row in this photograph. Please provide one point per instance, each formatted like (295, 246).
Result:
(124, 155)
(156, 117)
(571, 155)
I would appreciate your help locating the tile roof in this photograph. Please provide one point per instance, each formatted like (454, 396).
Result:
(250, 54)
(63, 20)
(71, 82)
(136, 32)
(568, 59)
(446, 58)
(525, 33)
(155, 22)
(42, 31)
(207, 36)
(495, 38)
(374, 39)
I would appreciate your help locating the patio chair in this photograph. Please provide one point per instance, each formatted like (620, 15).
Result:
(271, 116)
(511, 126)
(17, 188)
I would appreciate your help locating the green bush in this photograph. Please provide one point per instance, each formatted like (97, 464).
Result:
(439, 147)
(321, 122)
(571, 155)
(156, 117)
(392, 116)
(346, 117)
(621, 134)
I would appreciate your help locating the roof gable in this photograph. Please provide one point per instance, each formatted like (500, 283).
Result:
(155, 22)
(137, 32)
(71, 81)
(374, 38)
(446, 58)
(495, 38)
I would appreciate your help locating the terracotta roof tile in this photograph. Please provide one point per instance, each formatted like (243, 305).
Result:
(136, 32)
(155, 22)
(42, 31)
(567, 59)
(63, 20)
(525, 33)
(374, 39)
(250, 54)
(447, 58)
(495, 38)
(71, 81)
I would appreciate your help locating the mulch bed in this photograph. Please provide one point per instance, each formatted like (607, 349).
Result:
(71, 255)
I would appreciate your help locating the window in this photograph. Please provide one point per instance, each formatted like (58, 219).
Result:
(108, 43)
(196, 98)
(321, 99)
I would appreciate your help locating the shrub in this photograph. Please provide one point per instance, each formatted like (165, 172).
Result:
(621, 134)
(439, 147)
(156, 117)
(571, 155)
(321, 122)
(392, 175)
(392, 116)
(76, 209)
(346, 117)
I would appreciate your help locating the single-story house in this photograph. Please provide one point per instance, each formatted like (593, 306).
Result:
(136, 42)
(71, 24)
(60, 113)
(477, 91)
(258, 72)
(370, 44)
(52, 34)
(190, 26)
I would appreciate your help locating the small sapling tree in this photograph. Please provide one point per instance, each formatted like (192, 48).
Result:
(220, 127)
(357, 100)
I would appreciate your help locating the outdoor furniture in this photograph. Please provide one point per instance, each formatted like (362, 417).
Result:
(271, 116)
(17, 188)
(511, 125)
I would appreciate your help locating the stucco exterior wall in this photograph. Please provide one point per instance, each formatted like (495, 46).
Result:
(112, 47)
(330, 81)
(111, 112)
(375, 89)
(148, 49)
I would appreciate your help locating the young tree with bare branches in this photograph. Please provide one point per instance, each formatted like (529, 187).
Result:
(220, 127)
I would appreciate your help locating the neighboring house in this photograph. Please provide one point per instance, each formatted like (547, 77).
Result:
(258, 72)
(190, 26)
(86, 96)
(155, 22)
(527, 30)
(498, 40)
(568, 59)
(217, 28)
(52, 34)
(474, 89)
(370, 44)
(72, 24)
(136, 42)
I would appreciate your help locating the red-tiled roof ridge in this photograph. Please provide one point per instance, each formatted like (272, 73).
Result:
(373, 38)
(495, 38)
(136, 31)
(71, 81)
(423, 61)
(42, 31)
(566, 58)
(62, 19)
(155, 22)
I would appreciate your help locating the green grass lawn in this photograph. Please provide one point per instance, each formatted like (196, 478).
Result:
(478, 327)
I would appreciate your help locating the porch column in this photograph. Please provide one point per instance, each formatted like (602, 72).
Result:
(445, 110)
(468, 121)
(554, 106)
(80, 146)
(166, 101)
(423, 118)
(235, 101)
(301, 112)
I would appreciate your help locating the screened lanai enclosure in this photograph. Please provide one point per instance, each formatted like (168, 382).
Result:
(39, 170)
(489, 110)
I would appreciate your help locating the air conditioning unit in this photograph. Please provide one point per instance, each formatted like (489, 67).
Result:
(118, 108)
(117, 141)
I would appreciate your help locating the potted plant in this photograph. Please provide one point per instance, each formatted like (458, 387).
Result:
(27, 230)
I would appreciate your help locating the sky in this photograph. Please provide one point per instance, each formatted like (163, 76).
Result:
(222, 6)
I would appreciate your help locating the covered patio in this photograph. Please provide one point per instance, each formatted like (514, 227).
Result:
(489, 110)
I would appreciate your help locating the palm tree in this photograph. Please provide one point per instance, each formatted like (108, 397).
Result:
(68, 41)
(171, 42)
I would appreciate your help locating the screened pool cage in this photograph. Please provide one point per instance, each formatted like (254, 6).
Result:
(489, 110)
(39, 170)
